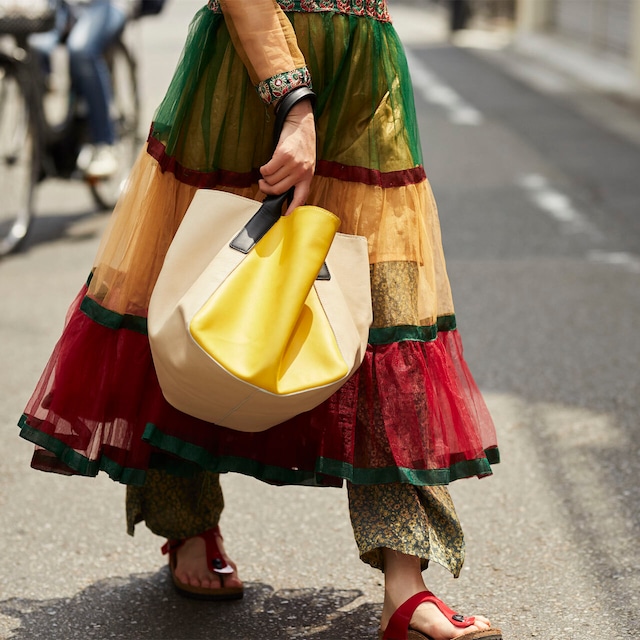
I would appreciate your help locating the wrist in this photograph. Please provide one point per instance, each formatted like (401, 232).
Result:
(289, 102)
(300, 111)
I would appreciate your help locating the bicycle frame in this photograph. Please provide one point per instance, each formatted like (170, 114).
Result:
(55, 145)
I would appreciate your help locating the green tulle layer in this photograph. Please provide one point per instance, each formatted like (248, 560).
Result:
(212, 118)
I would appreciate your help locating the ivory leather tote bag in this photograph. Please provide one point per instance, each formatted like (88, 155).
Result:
(249, 329)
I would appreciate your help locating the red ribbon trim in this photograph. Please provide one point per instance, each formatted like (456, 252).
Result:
(325, 169)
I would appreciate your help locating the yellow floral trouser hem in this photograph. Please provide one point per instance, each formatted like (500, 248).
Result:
(418, 521)
(174, 507)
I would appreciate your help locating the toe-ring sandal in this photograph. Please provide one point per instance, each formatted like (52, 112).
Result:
(215, 563)
(398, 627)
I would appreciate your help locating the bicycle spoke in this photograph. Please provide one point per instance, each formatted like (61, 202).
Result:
(17, 156)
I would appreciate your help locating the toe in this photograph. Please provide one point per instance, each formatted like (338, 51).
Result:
(482, 623)
(232, 581)
(210, 582)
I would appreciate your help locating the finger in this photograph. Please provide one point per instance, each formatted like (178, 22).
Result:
(275, 189)
(277, 176)
(284, 179)
(280, 159)
(300, 194)
(271, 167)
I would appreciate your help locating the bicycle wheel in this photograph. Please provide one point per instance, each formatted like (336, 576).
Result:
(125, 112)
(18, 157)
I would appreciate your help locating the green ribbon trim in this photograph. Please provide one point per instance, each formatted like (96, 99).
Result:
(194, 458)
(388, 335)
(79, 463)
(383, 335)
(326, 466)
(419, 477)
(112, 319)
(200, 456)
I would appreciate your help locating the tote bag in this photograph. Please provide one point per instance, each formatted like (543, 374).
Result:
(257, 317)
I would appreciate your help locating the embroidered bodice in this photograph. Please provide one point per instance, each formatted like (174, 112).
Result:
(376, 9)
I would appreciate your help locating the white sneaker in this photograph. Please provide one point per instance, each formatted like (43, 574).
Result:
(84, 157)
(103, 164)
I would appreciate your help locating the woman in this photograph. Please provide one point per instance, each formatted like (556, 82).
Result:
(408, 422)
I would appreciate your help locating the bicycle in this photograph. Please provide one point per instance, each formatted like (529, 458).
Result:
(35, 146)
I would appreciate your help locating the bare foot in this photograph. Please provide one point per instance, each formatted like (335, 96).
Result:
(192, 567)
(403, 579)
(428, 619)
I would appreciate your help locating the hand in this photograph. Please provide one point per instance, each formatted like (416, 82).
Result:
(294, 160)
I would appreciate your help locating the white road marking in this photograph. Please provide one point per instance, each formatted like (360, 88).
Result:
(433, 90)
(623, 259)
(557, 205)
(560, 207)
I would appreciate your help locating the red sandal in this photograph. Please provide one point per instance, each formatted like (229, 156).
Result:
(216, 563)
(398, 627)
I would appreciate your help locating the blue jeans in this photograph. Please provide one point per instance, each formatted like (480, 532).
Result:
(91, 28)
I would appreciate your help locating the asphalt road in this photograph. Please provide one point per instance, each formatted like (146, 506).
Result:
(539, 197)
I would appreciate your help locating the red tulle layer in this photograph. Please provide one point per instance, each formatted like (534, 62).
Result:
(411, 413)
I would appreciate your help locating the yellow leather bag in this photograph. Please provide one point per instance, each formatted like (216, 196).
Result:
(248, 329)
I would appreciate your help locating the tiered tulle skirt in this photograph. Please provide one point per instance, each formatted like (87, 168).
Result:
(412, 413)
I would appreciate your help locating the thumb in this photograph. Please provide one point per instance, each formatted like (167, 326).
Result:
(300, 194)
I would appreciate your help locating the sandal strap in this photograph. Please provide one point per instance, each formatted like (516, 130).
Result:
(398, 627)
(215, 559)
(171, 545)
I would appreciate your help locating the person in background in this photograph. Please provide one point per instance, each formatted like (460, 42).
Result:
(87, 27)
(459, 14)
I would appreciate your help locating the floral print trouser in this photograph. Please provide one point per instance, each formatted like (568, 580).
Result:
(418, 521)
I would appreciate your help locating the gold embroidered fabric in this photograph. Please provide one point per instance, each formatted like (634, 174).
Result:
(175, 507)
(417, 521)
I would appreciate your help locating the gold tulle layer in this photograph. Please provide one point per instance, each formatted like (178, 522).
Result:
(409, 281)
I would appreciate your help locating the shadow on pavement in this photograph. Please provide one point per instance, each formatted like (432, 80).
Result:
(71, 227)
(146, 606)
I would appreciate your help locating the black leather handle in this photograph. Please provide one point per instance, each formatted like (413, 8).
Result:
(261, 221)
(271, 208)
